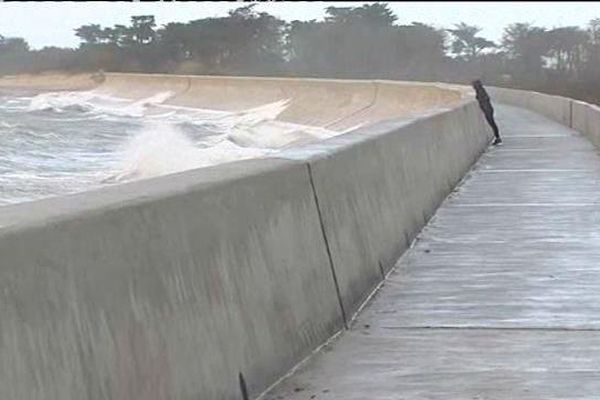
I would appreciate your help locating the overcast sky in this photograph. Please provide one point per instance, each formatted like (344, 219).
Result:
(52, 23)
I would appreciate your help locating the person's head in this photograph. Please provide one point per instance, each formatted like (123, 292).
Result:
(477, 84)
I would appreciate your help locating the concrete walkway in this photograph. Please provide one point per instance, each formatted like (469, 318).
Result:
(500, 296)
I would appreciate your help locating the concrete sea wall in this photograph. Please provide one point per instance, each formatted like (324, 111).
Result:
(379, 188)
(165, 288)
(581, 116)
(333, 104)
(556, 108)
(586, 119)
(168, 288)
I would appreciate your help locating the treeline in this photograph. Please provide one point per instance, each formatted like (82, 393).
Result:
(351, 42)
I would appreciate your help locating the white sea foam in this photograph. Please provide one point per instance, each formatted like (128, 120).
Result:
(90, 101)
(4, 124)
(69, 149)
(162, 149)
(276, 134)
(138, 108)
(59, 101)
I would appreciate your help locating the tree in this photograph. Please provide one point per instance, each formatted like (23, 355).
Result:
(244, 40)
(594, 31)
(112, 36)
(13, 45)
(251, 40)
(377, 14)
(124, 36)
(592, 49)
(526, 47)
(142, 29)
(90, 34)
(351, 42)
(421, 51)
(566, 46)
(14, 55)
(174, 41)
(466, 43)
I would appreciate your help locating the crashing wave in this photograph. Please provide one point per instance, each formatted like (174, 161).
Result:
(89, 101)
(162, 149)
(170, 139)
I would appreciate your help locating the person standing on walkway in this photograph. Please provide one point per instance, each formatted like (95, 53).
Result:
(486, 106)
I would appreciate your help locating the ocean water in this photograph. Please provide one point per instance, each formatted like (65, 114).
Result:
(57, 143)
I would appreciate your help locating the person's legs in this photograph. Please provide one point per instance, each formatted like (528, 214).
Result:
(489, 116)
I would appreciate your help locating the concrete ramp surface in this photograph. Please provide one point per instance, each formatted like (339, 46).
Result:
(498, 298)
(331, 104)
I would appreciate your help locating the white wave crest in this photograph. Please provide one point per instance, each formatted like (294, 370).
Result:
(59, 101)
(276, 134)
(162, 149)
(8, 125)
(90, 101)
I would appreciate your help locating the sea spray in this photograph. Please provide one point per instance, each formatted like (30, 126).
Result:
(58, 143)
(161, 148)
(92, 102)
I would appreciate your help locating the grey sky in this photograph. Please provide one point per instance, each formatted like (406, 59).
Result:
(52, 23)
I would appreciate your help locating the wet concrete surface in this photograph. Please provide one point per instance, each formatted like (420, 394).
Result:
(499, 298)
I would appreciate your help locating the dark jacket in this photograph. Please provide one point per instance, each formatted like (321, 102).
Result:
(484, 99)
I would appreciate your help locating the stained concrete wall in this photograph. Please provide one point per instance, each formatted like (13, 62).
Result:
(167, 288)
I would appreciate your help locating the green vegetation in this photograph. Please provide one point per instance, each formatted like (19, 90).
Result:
(359, 42)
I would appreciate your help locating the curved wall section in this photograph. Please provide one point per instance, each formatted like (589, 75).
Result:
(586, 119)
(556, 108)
(333, 104)
(168, 288)
(581, 116)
